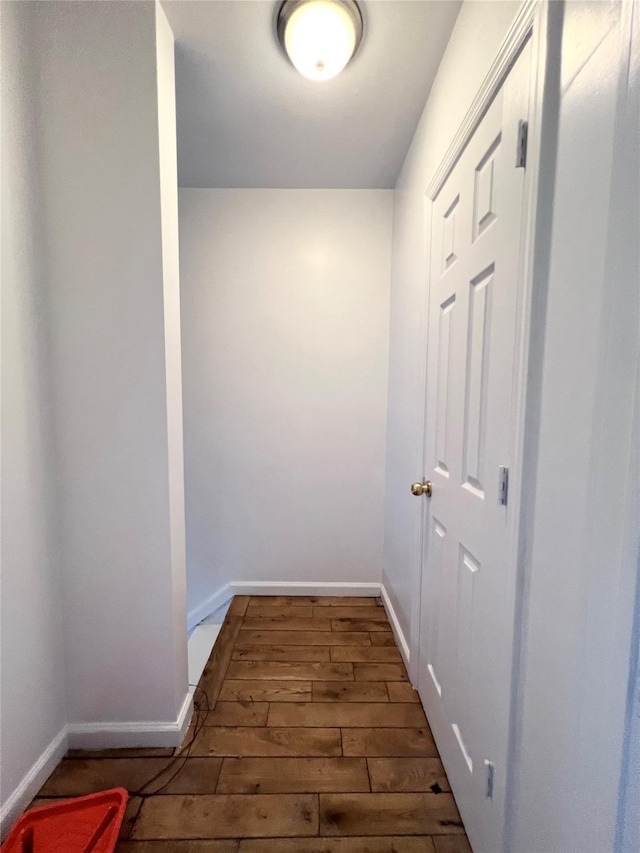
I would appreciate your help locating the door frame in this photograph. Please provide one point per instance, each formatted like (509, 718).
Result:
(538, 21)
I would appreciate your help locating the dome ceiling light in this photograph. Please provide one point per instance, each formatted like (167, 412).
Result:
(320, 36)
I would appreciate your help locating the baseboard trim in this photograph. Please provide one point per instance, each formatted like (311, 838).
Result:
(184, 717)
(91, 736)
(395, 625)
(226, 593)
(209, 605)
(32, 781)
(336, 588)
(132, 734)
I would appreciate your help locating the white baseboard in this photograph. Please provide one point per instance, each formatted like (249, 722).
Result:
(32, 781)
(184, 717)
(209, 605)
(395, 625)
(226, 592)
(91, 736)
(132, 734)
(336, 588)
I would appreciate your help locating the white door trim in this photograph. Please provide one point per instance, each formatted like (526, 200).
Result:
(520, 31)
(540, 21)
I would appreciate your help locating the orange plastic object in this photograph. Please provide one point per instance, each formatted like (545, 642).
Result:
(82, 825)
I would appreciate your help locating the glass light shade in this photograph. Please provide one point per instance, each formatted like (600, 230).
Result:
(320, 38)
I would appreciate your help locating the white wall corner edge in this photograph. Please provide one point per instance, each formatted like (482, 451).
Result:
(32, 781)
(209, 605)
(398, 633)
(132, 734)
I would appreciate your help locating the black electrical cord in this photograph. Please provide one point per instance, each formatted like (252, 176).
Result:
(185, 752)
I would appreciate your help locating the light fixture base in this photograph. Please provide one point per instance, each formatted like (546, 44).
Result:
(288, 7)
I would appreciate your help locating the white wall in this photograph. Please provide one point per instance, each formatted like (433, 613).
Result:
(32, 709)
(582, 569)
(285, 300)
(114, 309)
(476, 37)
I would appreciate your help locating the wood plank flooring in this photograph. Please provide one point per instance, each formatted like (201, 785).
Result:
(314, 742)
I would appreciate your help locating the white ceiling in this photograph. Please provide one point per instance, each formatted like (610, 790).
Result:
(246, 118)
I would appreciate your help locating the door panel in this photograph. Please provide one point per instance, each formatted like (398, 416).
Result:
(477, 381)
(443, 384)
(468, 587)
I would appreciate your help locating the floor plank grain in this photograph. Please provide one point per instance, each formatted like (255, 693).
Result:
(243, 690)
(380, 672)
(389, 742)
(313, 600)
(284, 611)
(359, 637)
(375, 614)
(227, 816)
(400, 691)
(353, 624)
(386, 814)
(241, 712)
(297, 654)
(286, 670)
(407, 774)
(382, 639)
(346, 714)
(78, 777)
(389, 844)
(179, 846)
(344, 691)
(366, 654)
(313, 741)
(231, 741)
(284, 623)
(292, 775)
(451, 844)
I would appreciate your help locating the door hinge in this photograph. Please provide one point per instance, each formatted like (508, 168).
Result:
(503, 484)
(521, 151)
(490, 771)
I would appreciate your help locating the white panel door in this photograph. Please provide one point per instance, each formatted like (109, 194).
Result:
(468, 584)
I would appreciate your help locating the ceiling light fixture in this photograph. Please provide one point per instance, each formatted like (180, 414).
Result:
(319, 36)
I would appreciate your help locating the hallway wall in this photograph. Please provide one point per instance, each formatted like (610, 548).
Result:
(93, 578)
(285, 301)
(32, 691)
(105, 83)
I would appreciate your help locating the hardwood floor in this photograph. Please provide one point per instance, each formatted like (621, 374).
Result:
(314, 742)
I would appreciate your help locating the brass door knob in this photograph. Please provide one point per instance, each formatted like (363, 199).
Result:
(423, 488)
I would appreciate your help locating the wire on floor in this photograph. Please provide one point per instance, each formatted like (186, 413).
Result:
(202, 708)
